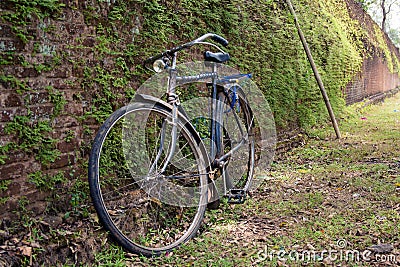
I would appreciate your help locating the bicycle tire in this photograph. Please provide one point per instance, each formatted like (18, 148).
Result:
(135, 218)
(237, 110)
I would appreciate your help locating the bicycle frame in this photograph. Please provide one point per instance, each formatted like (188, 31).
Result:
(216, 111)
(175, 163)
(220, 95)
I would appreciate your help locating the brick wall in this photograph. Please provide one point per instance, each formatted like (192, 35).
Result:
(374, 78)
(69, 40)
(55, 58)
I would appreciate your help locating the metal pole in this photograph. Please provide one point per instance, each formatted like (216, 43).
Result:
(314, 68)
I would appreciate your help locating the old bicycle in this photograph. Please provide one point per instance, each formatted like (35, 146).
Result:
(157, 163)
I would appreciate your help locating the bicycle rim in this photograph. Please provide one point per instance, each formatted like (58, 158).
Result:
(137, 206)
(237, 122)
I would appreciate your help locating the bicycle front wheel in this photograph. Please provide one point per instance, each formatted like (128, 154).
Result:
(149, 188)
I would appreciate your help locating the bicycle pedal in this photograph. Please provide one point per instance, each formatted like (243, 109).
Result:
(236, 196)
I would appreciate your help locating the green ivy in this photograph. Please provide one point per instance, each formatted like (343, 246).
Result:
(57, 99)
(47, 182)
(384, 48)
(4, 149)
(24, 11)
(263, 41)
(4, 185)
(18, 85)
(34, 137)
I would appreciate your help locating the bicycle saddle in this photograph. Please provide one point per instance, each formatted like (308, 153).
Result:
(216, 57)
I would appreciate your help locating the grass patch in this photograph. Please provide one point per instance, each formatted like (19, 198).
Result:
(317, 195)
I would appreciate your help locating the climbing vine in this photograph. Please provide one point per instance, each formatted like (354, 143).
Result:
(104, 64)
(23, 12)
(33, 137)
(72, 63)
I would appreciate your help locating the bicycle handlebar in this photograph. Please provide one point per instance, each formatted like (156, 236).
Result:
(220, 40)
(215, 37)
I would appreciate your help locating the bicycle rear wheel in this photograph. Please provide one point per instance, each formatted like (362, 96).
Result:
(149, 201)
(237, 136)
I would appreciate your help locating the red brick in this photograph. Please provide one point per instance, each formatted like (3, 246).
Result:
(13, 100)
(61, 84)
(36, 98)
(9, 45)
(65, 122)
(42, 111)
(74, 28)
(61, 72)
(11, 171)
(16, 156)
(64, 146)
(5, 31)
(13, 189)
(28, 72)
(8, 114)
(72, 108)
(63, 161)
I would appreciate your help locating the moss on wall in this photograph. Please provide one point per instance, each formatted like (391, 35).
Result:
(262, 40)
(83, 59)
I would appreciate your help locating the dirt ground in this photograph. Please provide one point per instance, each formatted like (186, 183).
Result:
(326, 203)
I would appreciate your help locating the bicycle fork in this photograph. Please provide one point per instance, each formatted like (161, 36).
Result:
(172, 146)
(172, 99)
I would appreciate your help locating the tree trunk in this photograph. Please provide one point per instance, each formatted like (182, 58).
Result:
(384, 14)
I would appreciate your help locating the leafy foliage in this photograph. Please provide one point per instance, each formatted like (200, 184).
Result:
(258, 35)
(263, 40)
(33, 138)
(46, 181)
(25, 10)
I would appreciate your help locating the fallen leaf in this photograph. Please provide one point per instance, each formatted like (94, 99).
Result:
(283, 224)
(26, 251)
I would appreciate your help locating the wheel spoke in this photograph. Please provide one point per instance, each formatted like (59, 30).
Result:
(132, 197)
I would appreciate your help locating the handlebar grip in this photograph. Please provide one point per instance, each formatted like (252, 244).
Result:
(220, 40)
